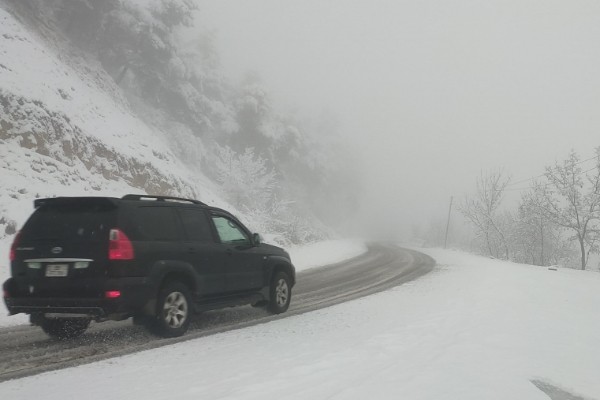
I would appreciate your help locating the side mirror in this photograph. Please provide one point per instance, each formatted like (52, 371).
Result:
(256, 239)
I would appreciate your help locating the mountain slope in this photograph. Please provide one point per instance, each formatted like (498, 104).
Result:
(66, 129)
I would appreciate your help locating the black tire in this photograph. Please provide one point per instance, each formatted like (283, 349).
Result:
(64, 328)
(280, 293)
(173, 310)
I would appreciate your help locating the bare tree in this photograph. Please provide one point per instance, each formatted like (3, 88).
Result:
(483, 211)
(571, 199)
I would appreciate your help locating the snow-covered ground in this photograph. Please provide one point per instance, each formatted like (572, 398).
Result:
(474, 328)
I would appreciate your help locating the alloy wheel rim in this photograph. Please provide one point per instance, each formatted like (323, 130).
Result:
(281, 292)
(175, 310)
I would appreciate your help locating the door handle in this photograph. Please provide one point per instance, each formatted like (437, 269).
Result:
(229, 252)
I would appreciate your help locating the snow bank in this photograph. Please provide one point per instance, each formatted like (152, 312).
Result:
(473, 329)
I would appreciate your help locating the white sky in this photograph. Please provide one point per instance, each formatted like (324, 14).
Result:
(433, 91)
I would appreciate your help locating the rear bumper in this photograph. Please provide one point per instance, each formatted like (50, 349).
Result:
(50, 306)
(135, 295)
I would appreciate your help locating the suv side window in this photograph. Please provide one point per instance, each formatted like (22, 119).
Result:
(229, 231)
(195, 224)
(157, 224)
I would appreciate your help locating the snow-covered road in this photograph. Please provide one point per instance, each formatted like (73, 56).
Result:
(27, 351)
(474, 328)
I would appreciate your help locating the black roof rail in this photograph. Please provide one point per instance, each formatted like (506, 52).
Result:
(160, 198)
(99, 200)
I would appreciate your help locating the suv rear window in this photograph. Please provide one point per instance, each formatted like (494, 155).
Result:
(70, 222)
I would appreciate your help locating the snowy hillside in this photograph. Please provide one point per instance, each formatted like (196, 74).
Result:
(65, 129)
(474, 328)
(108, 99)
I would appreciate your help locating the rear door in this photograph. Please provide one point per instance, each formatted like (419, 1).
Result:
(157, 237)
(203, 252)
(63, 247)
(243, 261)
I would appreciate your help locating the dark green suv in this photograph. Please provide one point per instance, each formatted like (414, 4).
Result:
(154, 258)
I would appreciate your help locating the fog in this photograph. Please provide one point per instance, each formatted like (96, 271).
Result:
(431, 93)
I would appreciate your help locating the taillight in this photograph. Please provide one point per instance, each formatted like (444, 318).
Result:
(112, 294)
(119, 246)
(13, 248)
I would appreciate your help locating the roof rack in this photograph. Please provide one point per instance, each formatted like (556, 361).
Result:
(98, 200)
(160, 198)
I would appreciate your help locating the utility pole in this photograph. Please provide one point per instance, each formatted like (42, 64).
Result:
(542, 239)
(448, 222)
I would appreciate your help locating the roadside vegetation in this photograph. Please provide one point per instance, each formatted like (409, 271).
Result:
(556, 221)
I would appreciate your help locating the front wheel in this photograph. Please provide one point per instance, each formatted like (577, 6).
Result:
(64, 328)
(173, 310)
(280, 293)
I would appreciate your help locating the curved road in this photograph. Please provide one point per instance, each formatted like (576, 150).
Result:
(26, 350)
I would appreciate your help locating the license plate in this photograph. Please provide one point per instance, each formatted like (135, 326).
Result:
(57, 270)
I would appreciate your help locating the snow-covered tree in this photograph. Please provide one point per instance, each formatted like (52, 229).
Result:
(571, 199)
(244, 178)
(535, 239)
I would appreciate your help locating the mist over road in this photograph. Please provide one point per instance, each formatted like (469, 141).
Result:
(26, 350)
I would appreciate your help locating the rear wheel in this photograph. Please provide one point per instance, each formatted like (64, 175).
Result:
(280, 293)
(64, 328)
(173, 310)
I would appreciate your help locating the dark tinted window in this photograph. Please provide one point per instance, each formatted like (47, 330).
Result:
(156, 224)
(195, 224)
(71, 222)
